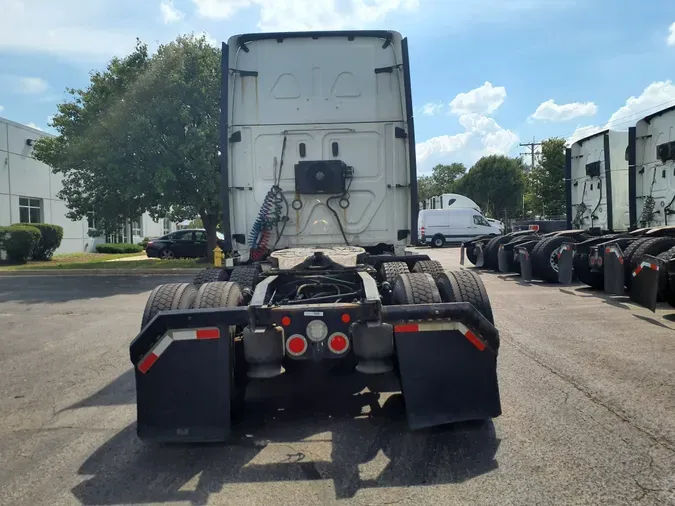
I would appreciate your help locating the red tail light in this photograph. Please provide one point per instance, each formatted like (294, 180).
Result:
(338, 343)
(149, 244)
(296, 345)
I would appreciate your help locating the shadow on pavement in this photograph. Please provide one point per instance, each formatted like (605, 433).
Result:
(652, 321)
(59, 289)
(120, 391)
(125, 470)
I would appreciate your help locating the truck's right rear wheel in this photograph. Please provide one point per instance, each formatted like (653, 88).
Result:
(415, 288)
(465, 286)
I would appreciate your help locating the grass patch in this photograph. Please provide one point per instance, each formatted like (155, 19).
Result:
(95, 261)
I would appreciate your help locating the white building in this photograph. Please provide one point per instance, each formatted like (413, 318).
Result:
(28, 194)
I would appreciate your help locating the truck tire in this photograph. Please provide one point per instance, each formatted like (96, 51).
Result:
(415, 288)
(391, 270)
(168, 297)
(226, 294)
(465, 286)
(583, 271)
(432, 267)
(652, 246)
(544, 262)
(492, 251)
(210, 275)
(245, 275)
(627, 255)
(665, 292)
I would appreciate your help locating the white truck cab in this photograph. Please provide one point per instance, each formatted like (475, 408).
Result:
(320, 141)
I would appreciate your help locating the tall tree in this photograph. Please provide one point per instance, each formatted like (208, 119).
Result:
(90, 153)
(546, 182)
(425, 188)
(144, 137)
(442, 180)
(496, 183)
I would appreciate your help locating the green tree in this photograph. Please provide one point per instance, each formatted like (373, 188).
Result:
(99, 175)
(144, 137)
(425, 187)
(496, 183)
(442, 180)
(546, 182)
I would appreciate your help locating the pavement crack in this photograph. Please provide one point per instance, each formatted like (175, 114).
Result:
(659, 440)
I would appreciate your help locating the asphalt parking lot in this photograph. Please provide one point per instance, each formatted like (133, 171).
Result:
(588, 398)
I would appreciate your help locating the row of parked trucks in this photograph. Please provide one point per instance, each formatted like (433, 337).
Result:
(620, 192)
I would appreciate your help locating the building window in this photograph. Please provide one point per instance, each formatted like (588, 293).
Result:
(137, 228)
(30, 210)
(91, 220)
(166, 226)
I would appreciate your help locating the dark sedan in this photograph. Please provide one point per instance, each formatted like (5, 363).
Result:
(180, 244)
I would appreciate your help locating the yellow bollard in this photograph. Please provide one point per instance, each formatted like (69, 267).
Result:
(218, 257)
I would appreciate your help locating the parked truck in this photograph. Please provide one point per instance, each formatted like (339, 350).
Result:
(318, 183)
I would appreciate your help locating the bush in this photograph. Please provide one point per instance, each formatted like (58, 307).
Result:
(118, 248)
(50, 240)
(19, 242)
(144, 243)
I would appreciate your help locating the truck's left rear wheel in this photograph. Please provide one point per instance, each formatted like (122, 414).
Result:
(168, 297)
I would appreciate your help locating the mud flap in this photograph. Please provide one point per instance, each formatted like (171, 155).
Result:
(525, 264)
(502, 259)
(461, 255)
(565, 257)
(446, 375)
(182, 387)
(613, 270)
(480, 257)
(645, 285)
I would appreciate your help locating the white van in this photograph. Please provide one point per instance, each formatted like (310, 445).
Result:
(440, 226)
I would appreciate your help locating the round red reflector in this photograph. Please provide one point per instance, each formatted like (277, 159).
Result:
(346, 318)
(338, 343)
(592, 260)
(296, 345)
(286, 321)
(599, 261)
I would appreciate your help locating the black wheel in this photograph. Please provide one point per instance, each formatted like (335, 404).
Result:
(465, 286)
(226, 294)
(491, 251)
(432, 267)
(166, 254)
(415, 288)
(627, 255)
(210, 275)
(471, 254)
(583, 271)
(168, 297)
(653, 246)
(245, 275)
(391, 270)
(545, 259)
(665, 292)
(438, 241)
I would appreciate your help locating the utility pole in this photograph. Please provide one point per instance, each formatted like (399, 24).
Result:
(533, 146)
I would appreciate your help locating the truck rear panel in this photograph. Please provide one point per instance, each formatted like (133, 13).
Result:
(295, 99)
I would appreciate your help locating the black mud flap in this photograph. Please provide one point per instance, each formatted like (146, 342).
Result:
(480, 257)
(183, 385)
(525, 264)
(461, 255)
(613, 270)
(565, 258)
(503, 259)
(645, 285)
(448, 374)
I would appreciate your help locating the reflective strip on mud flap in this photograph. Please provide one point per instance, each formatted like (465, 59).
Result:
(471, 336)
(616, 252)
(175, 335)
(644, 265)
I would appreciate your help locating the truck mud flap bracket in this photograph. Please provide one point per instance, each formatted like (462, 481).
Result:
(612, 269)
(525, 264)
(448, 370)
(565, 258)
(502, 259)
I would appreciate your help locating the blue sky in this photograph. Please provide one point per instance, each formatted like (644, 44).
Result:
(487, 74)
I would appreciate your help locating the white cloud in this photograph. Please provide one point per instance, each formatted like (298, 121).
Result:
(1, 108)
(583, 131)
(33, 125)
(656, 96)
(285, 15)
(671, 35)
(31, 85)
(485, 99)
(482, 136)
(210, 39)
(550, 111)
(432, 108)
(169, 12)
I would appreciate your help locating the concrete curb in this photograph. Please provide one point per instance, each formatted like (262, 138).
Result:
(100, 272)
